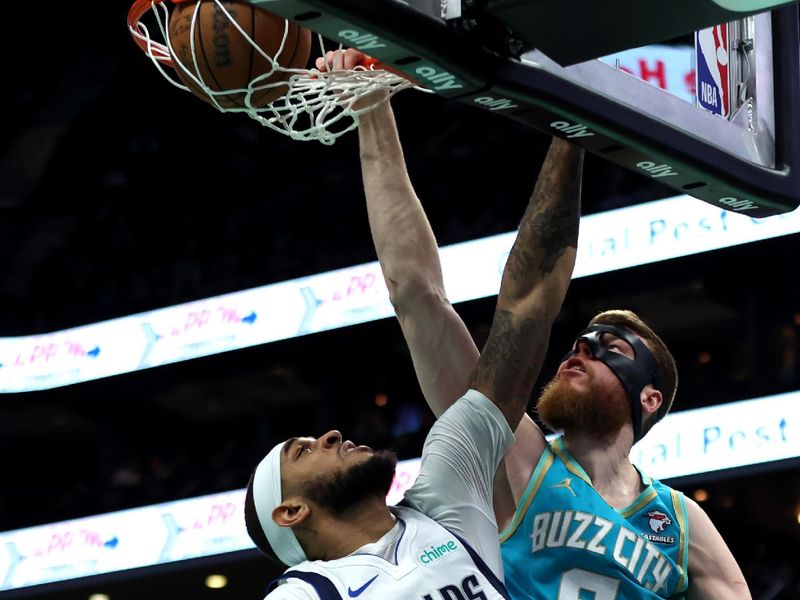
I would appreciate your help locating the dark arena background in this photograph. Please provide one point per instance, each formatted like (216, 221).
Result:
(121, 194)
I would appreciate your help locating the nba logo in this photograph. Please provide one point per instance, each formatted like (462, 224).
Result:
(713, 83)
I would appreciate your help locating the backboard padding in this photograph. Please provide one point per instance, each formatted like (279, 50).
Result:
(710, 159)
(573, 31)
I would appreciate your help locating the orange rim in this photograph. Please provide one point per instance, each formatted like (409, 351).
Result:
(161, 53)
(158, 51)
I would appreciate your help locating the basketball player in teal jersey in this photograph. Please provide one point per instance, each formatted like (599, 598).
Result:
(577, 519)
(318, 505)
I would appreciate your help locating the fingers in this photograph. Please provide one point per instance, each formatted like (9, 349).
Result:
(353, 58)
(341, 60)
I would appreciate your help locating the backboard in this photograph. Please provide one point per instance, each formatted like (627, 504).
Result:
(483, 54)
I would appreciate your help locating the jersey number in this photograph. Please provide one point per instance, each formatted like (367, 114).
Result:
(575, 581)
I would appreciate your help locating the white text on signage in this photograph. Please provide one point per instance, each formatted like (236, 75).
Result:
(362, 41)
(440, 80)
(571, 130)
(656, 171)
(495, 103)
(738, 204)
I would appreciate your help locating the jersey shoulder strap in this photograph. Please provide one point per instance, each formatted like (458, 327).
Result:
(483, 567)
(321, 584)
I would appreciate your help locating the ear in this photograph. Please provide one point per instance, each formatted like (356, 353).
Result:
(290, 512)
(651, 400)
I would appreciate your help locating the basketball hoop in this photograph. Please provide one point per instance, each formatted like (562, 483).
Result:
(316, 105)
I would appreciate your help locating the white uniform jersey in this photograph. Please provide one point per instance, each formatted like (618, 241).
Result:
(429, 563)
(448, 517)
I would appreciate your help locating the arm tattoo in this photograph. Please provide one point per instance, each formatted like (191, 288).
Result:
(556, 228)
(550, 223)
(513, 356)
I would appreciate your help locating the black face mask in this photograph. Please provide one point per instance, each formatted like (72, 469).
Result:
(634, 374)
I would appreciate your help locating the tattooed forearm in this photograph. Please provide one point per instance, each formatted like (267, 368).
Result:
(550, 224)
(535, 280)
(511, 360)
(556, 226)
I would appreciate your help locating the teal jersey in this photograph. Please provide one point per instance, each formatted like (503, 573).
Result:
(566, 543)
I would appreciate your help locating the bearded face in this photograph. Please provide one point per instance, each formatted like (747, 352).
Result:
(582, 403)
(343, 490)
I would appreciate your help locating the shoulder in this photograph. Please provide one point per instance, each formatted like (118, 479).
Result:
(706, 544)
(292, 588)
(697, 516)
(473, 424)
(668, 495)
(713, 571)
(310, 580)
(475, 409)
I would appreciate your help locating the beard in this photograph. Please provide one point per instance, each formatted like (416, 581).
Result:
(342, 491)
(592, 410)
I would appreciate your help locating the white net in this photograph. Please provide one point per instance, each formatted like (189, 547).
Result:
(317, 105)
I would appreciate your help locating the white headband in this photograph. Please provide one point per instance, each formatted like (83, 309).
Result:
(267, 495)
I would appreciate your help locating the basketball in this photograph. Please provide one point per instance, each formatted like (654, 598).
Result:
(224, 59)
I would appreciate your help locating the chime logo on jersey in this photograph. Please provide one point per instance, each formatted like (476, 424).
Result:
(435, 552)
(658, 522)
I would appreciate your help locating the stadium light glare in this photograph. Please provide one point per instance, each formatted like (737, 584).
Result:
(216, 582)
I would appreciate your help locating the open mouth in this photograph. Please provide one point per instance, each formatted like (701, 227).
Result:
(348, 447)
(573, 365)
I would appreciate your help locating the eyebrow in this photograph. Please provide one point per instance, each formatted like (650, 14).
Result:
(288, 445)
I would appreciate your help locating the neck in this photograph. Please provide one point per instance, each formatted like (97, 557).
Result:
(606, 461)
(329, 537)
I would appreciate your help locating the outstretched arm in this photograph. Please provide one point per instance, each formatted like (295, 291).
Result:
(463, 450)
(534, 284)
(441, 347)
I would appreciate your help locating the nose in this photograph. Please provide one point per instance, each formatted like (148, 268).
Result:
(330, 439)
(583, 349)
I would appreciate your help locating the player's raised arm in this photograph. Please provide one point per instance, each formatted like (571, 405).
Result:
(441, 347)
(534, 284)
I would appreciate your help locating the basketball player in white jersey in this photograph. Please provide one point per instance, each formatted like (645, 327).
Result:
(318, 504)
(444, 354)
